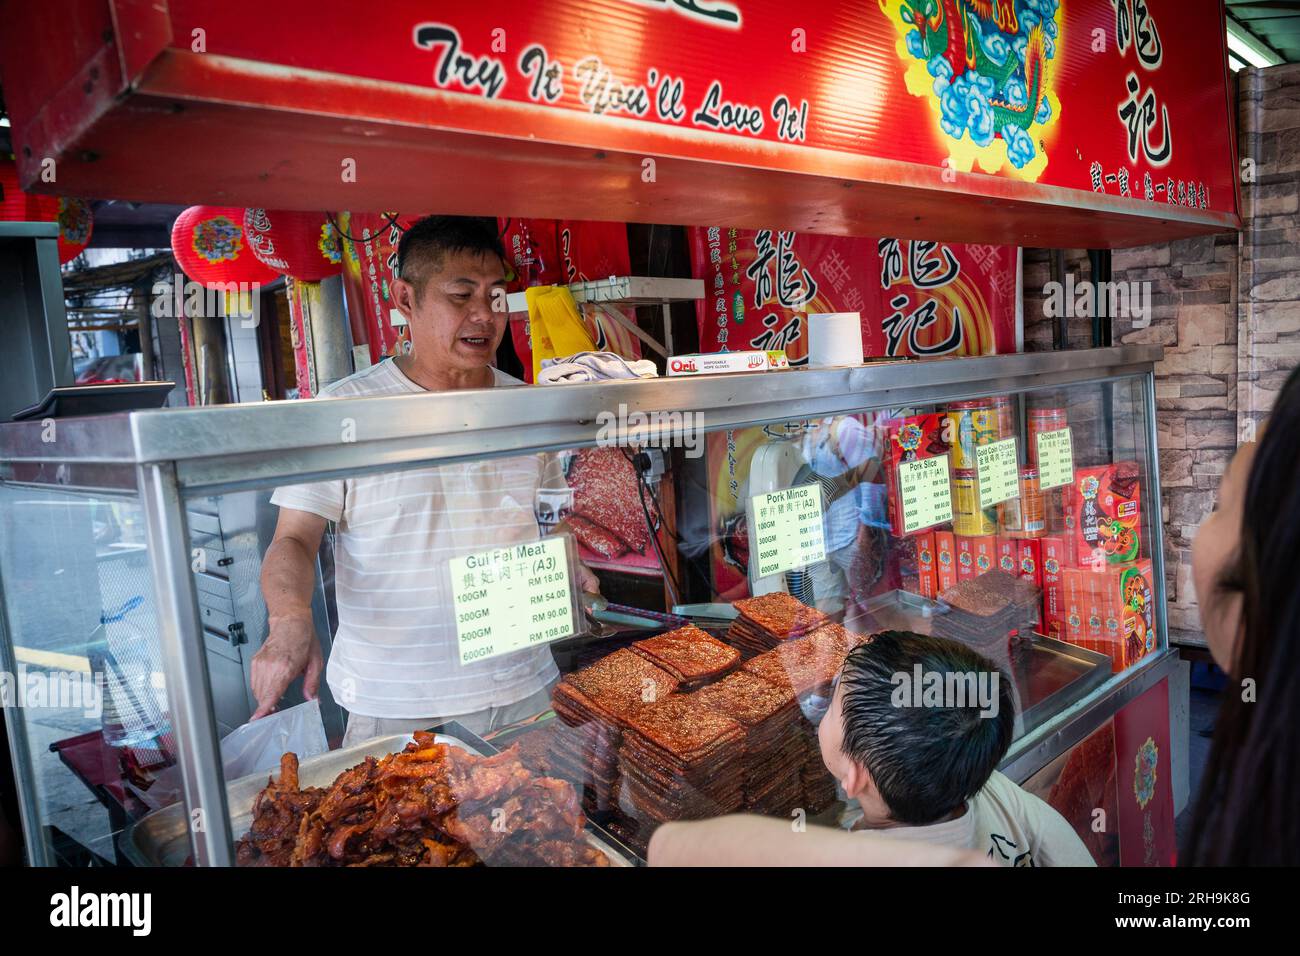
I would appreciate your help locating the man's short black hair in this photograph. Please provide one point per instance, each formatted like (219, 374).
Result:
(926, 761)
(428, 240)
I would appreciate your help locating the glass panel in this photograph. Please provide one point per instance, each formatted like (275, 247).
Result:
(450, 599)
(88, 683)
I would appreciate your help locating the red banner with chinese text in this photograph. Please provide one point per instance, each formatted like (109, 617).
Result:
(915, 298)
(1127, 97)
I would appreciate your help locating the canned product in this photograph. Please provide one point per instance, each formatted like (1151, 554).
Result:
(1042, 420)
(1006, 416)
(968, 518)
(970, 424)
(1033, 518)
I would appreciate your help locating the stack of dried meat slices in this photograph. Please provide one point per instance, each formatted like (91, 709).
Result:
(689, 655)
(775, 751)
(764, 622)
(608, 516)
(806, 667)
(593, 703)
(982, 611)
(681, 760)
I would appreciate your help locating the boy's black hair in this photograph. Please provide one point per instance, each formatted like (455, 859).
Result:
(925, 761)
(428, 240)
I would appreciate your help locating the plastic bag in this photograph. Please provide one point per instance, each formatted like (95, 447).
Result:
(255, 747)
(555, 324)
(258, 745)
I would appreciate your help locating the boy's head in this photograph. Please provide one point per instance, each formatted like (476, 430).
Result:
(916, 727)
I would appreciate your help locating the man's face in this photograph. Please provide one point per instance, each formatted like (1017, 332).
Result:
(452, 320)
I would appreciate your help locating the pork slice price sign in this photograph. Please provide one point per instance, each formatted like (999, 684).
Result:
(789, 529)
(1055, 458)
(926, 493)
(999, 474)
(511, 598)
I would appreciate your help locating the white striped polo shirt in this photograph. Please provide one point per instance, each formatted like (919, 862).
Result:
(395, 652)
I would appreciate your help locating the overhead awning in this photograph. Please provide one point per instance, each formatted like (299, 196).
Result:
(1088, 123)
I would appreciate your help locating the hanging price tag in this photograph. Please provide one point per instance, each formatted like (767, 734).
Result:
(927, 496)
(787, 529)
(999, 472)
(511, 598)
(1055, 459)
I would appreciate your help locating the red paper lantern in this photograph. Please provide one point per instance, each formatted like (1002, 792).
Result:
(209, 246)
(76, 223)
(18, 206)
(303, 245)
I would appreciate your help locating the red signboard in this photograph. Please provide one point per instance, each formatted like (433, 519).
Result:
(369, 265)
(915, 297)
(947, 118)
(1037, 90)
(1145, 781)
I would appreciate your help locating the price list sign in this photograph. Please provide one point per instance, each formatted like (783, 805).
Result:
(508, 599)
(999, 472)
(927, 496)
(788, 529)
(1055, 458)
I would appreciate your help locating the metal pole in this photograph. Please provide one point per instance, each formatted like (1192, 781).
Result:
(1157, 504)
(189, 691)
(29, 811)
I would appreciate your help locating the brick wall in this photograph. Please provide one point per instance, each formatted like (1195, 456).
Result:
(1227, 310)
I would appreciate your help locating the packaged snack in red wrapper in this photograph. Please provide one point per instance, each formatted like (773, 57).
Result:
(927, 572)
(1053, 583)
(1104, 511)
(945, 559)
(909, 439)
(1029, 560)
(1008, 553)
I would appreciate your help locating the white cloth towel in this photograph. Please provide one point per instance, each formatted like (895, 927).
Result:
(593, 367)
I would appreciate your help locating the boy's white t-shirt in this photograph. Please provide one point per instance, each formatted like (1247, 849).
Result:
(1012, 827)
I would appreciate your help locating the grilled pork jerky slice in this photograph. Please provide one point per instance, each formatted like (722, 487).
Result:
(780, 614)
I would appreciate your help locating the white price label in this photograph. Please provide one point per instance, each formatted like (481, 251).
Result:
(511, 598)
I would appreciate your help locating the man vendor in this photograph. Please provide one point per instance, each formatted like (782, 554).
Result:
(394, 664)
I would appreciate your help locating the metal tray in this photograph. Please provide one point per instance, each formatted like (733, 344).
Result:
(161, 838)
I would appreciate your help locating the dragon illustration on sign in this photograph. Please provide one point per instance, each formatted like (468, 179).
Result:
(984, 65)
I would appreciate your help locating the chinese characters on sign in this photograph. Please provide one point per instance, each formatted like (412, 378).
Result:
(512, 598)
(925, 493)
(1055, 458)
(999, 477)
(926, 270)
(1149, 136)
(788, 529)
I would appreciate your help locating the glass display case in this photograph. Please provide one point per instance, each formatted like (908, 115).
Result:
(767, 523)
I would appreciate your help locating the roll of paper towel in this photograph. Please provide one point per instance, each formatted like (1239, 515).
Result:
(834, 338)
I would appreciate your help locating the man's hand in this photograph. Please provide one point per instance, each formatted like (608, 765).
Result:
(291, 649)
(587, 579)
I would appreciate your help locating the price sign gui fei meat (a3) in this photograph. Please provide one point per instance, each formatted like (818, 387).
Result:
(512, 598)
(927, 495)
(787, 529)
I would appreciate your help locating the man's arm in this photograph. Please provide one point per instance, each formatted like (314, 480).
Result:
(747, 840)
(288, 577)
